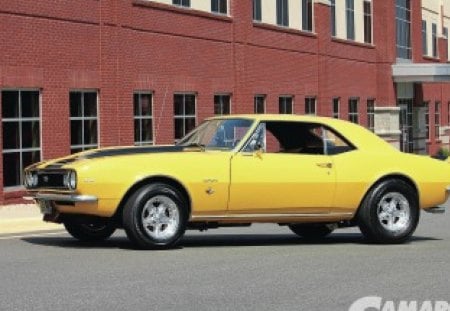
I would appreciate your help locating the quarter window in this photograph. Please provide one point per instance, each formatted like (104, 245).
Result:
(21, 133)
(282, 13)
(285, 104)
(83, 120)
(222, 104)
(143, 118)
(219, 6)
(353, 115)
(184, 114)
(259, 103)
(310, 105)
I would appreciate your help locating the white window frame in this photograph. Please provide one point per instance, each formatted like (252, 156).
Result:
(184, 116)
(84, 146)
(351, 114)
(223, 94)
(20, 120)
(264, 97)
(141, 118)
(291, 97)
(307, 99)
(336, 114)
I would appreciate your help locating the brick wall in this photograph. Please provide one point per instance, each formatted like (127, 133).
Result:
(118, 47)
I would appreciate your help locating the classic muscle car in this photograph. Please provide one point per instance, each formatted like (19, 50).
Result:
(311, 174)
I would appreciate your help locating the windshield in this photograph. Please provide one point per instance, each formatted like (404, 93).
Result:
(217, 134)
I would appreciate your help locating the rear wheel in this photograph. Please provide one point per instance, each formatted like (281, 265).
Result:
(155, 216)
(89, 230)
(312, 231)
(390, 212)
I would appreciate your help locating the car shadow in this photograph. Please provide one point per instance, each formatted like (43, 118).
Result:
(219, 240)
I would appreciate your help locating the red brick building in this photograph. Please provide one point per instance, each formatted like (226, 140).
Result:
(84, 73)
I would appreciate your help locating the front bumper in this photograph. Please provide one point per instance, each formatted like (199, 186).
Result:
(68, 198)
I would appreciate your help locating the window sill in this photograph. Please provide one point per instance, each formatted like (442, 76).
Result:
(354, 43)
(284, 29)
(431, 58)
(182, 10)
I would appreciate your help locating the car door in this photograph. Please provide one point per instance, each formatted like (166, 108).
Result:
(266, 177)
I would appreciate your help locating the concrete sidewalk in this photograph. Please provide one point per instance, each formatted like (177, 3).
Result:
(23, 218)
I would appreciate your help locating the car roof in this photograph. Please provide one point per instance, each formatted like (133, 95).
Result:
(359, 136)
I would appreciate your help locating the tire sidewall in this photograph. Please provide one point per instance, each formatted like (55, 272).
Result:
(370, 221)
(133, 215)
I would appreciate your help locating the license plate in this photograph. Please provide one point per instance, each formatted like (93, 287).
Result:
(46, 207)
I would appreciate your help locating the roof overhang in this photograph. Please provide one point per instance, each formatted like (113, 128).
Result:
(409, 72)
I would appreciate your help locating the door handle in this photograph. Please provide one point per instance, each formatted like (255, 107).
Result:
(325, 165)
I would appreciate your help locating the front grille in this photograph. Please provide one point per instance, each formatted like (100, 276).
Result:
(51, 180)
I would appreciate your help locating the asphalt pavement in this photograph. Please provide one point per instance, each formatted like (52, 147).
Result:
(264, 267)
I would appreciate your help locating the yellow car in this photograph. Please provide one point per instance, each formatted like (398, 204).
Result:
(312, 174)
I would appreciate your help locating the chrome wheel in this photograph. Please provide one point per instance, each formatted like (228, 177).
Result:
(160, 217)
(394, 212)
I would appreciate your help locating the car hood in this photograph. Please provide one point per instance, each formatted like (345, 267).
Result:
(110, 152)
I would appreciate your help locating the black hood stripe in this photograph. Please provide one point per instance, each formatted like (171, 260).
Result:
(116, 152)
(132, 150)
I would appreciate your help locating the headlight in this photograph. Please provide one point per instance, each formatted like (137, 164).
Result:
(70, 180)
(31, 179)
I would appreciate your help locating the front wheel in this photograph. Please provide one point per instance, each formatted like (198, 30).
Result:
(90, 230)
(155, 216)
(390, 212)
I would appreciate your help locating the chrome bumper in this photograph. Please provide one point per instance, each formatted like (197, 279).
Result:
(71, 198)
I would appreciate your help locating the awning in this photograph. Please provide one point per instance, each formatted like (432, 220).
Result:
(409, 72)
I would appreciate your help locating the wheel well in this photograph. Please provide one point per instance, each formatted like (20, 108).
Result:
(161, 179)
(403, 178)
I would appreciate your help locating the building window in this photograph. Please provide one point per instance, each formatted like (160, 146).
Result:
(222, 104)
(257, 10)
(403, 25)
(353, 115)
(437, 120)
(367, 21)
(83, 120)
(336, 108)
(350, 14)
(448, 113)
(186, 3)
(219, 6)
(259, 102)
(282, 13)
(184, 114)
(310, 105)
(427, 119)
(371, 114)
(307, 15)
(434, 39)
(285, 104)
(445, 35)
(143, 118)
(424, 38)
(333, 17)
(21, 134)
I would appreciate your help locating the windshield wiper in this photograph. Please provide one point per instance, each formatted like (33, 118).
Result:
(198, 145)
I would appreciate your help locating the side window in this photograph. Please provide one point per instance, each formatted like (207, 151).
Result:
(297, 138)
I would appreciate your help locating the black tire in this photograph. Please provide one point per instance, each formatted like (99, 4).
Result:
(166, 202)
(391, 229)
(312, 231)
(89, 230)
